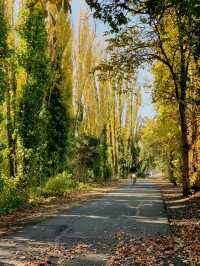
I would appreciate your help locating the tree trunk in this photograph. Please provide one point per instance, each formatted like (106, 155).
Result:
(115, 137)
(112, 145)
(14, 140)
(194, 135)
(171, 168)
(9, 134)
(184, 148)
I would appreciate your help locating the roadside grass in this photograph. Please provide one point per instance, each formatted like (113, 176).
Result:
(63, 185)
(57, 189)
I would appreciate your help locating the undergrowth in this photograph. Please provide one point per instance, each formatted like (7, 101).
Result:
(62, 185)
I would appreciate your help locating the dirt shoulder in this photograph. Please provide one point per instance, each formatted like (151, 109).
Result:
(9, 223)
(180, 209)
(184, 220)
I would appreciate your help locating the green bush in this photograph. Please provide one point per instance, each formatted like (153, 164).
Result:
(1, 184)
(11, 199)
(59, 185)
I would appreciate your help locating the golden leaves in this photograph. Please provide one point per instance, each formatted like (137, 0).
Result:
(64, 5)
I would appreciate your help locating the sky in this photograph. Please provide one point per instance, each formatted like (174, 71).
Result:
(77, 6)
(145, 78)
(144, 75)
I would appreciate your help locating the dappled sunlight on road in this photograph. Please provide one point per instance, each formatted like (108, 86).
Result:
(136, 210)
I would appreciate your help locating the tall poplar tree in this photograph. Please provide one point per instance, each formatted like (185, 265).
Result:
(4, 55)
(31, 118)
(59, 95)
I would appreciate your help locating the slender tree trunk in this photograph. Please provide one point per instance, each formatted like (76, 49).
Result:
(115, 136)
(182, 84)
(9, 133)
(171, 168)
(184, 142)
(194, 135)
(13, 106)
(14, 93)
(112, 145)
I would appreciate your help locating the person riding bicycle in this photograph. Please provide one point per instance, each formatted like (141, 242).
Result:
(132, 175)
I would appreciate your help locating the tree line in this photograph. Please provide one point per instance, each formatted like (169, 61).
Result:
(164, 34)
(62, 122)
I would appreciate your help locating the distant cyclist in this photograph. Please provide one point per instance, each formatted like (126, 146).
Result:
(132, 175)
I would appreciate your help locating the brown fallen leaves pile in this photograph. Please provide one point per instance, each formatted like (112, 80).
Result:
(156, 251)
(58, 255)
(181, 247)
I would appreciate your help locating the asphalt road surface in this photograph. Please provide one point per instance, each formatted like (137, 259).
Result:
(136, 210)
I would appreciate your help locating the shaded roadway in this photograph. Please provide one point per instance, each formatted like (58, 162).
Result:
(136, 210)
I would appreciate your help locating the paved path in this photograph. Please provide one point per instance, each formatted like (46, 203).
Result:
(133, 209)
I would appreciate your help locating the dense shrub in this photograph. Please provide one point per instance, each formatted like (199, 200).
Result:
(59, 185)
(90, 160)
(11, 198)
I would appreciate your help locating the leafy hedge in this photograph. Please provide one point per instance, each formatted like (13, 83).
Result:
(11, 197)
(59, 185)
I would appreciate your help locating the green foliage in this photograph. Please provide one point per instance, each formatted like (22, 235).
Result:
(32, 118)
(105, 169)
(38, 140)
(87, 157)
(1, 184)
(160, 143)
(58, 131)
(11, 196)
(3, 53)
(59, 185)
(139, 164)
(34, 59)
(58, 102)
(91, 160)
(135, 153)
(3, 34)
(128, 157)
(164, 31)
